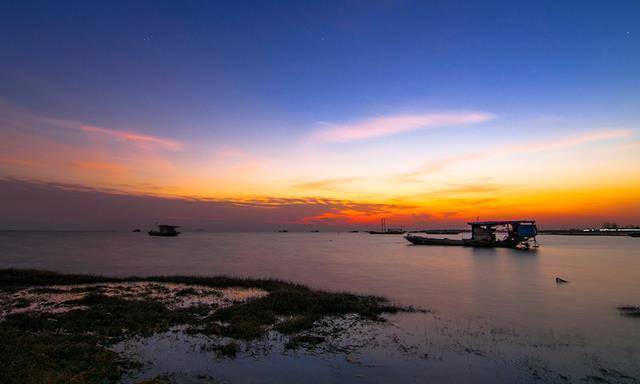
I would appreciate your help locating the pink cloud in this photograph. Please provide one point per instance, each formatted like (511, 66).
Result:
(133, 137)
(389, 125)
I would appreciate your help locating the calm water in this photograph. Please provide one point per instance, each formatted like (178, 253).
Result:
(502, 287)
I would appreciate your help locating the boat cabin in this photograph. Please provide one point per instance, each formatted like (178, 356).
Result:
(518, 233)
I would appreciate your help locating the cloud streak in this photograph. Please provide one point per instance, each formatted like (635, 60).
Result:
(517, 148)
(138, 138)
(394, 124)
(326, 184)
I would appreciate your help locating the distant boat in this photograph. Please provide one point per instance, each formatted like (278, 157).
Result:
(314, 231)
(354, 231)
(520, 234)
(165, 230)
(635, 234)
(283, 231)
(137, 230)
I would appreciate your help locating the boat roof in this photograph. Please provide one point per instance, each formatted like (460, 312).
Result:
(503, 222)
(168, 226)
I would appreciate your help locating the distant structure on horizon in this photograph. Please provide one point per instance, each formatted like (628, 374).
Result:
(384, 230)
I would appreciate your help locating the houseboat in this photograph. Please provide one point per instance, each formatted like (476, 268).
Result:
(165, 230)
(512, 234)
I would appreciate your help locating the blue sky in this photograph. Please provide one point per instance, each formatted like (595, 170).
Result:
(242, 88)
(205, 65)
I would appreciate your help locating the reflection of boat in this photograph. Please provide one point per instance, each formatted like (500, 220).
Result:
(520, 234)
(384, 230)
(165, 230)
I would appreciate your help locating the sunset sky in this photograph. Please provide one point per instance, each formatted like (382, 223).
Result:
(308, 114)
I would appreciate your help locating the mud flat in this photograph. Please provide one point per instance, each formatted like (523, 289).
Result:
(64, 328)
(59, 328)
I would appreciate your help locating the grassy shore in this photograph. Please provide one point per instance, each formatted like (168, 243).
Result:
(69, 341)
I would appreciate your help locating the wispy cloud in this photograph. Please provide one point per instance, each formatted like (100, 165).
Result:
(517, 148)
(106, 167)
(325, 184)
(139, 138)
(389, 125)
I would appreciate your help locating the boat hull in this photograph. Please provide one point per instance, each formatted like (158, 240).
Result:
(421, 240)
(163, 234)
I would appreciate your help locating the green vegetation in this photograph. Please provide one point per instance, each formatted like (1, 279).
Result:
(250, 320)
(45, 357)
(307, 340)
(230, 349)
(72, 346)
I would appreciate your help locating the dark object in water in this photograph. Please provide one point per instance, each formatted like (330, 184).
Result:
(561, 281)
(629, 310)
(283, 231)
(520, 234)
(165, 230)
(635, 234)
(136, 230)
(354, 231)
(315, 231)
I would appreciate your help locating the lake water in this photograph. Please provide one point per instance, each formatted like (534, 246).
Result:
(467, 289)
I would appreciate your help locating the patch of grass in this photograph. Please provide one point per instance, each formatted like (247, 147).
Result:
(187, 292)
(69, 347)
(55, 358)
(92, 288)
(45, 290)
(296, 324)
(304, 340)
(12, 279)
(231, 349)
(21, 303)
(303, 304)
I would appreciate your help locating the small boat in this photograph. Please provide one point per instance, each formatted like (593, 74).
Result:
(283, 231)
(165, 230)
(314, 231)
(520, 234)
(635, 234)
(137, 230)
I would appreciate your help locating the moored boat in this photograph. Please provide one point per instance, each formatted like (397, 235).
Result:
(165, 230)
(519, 234)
